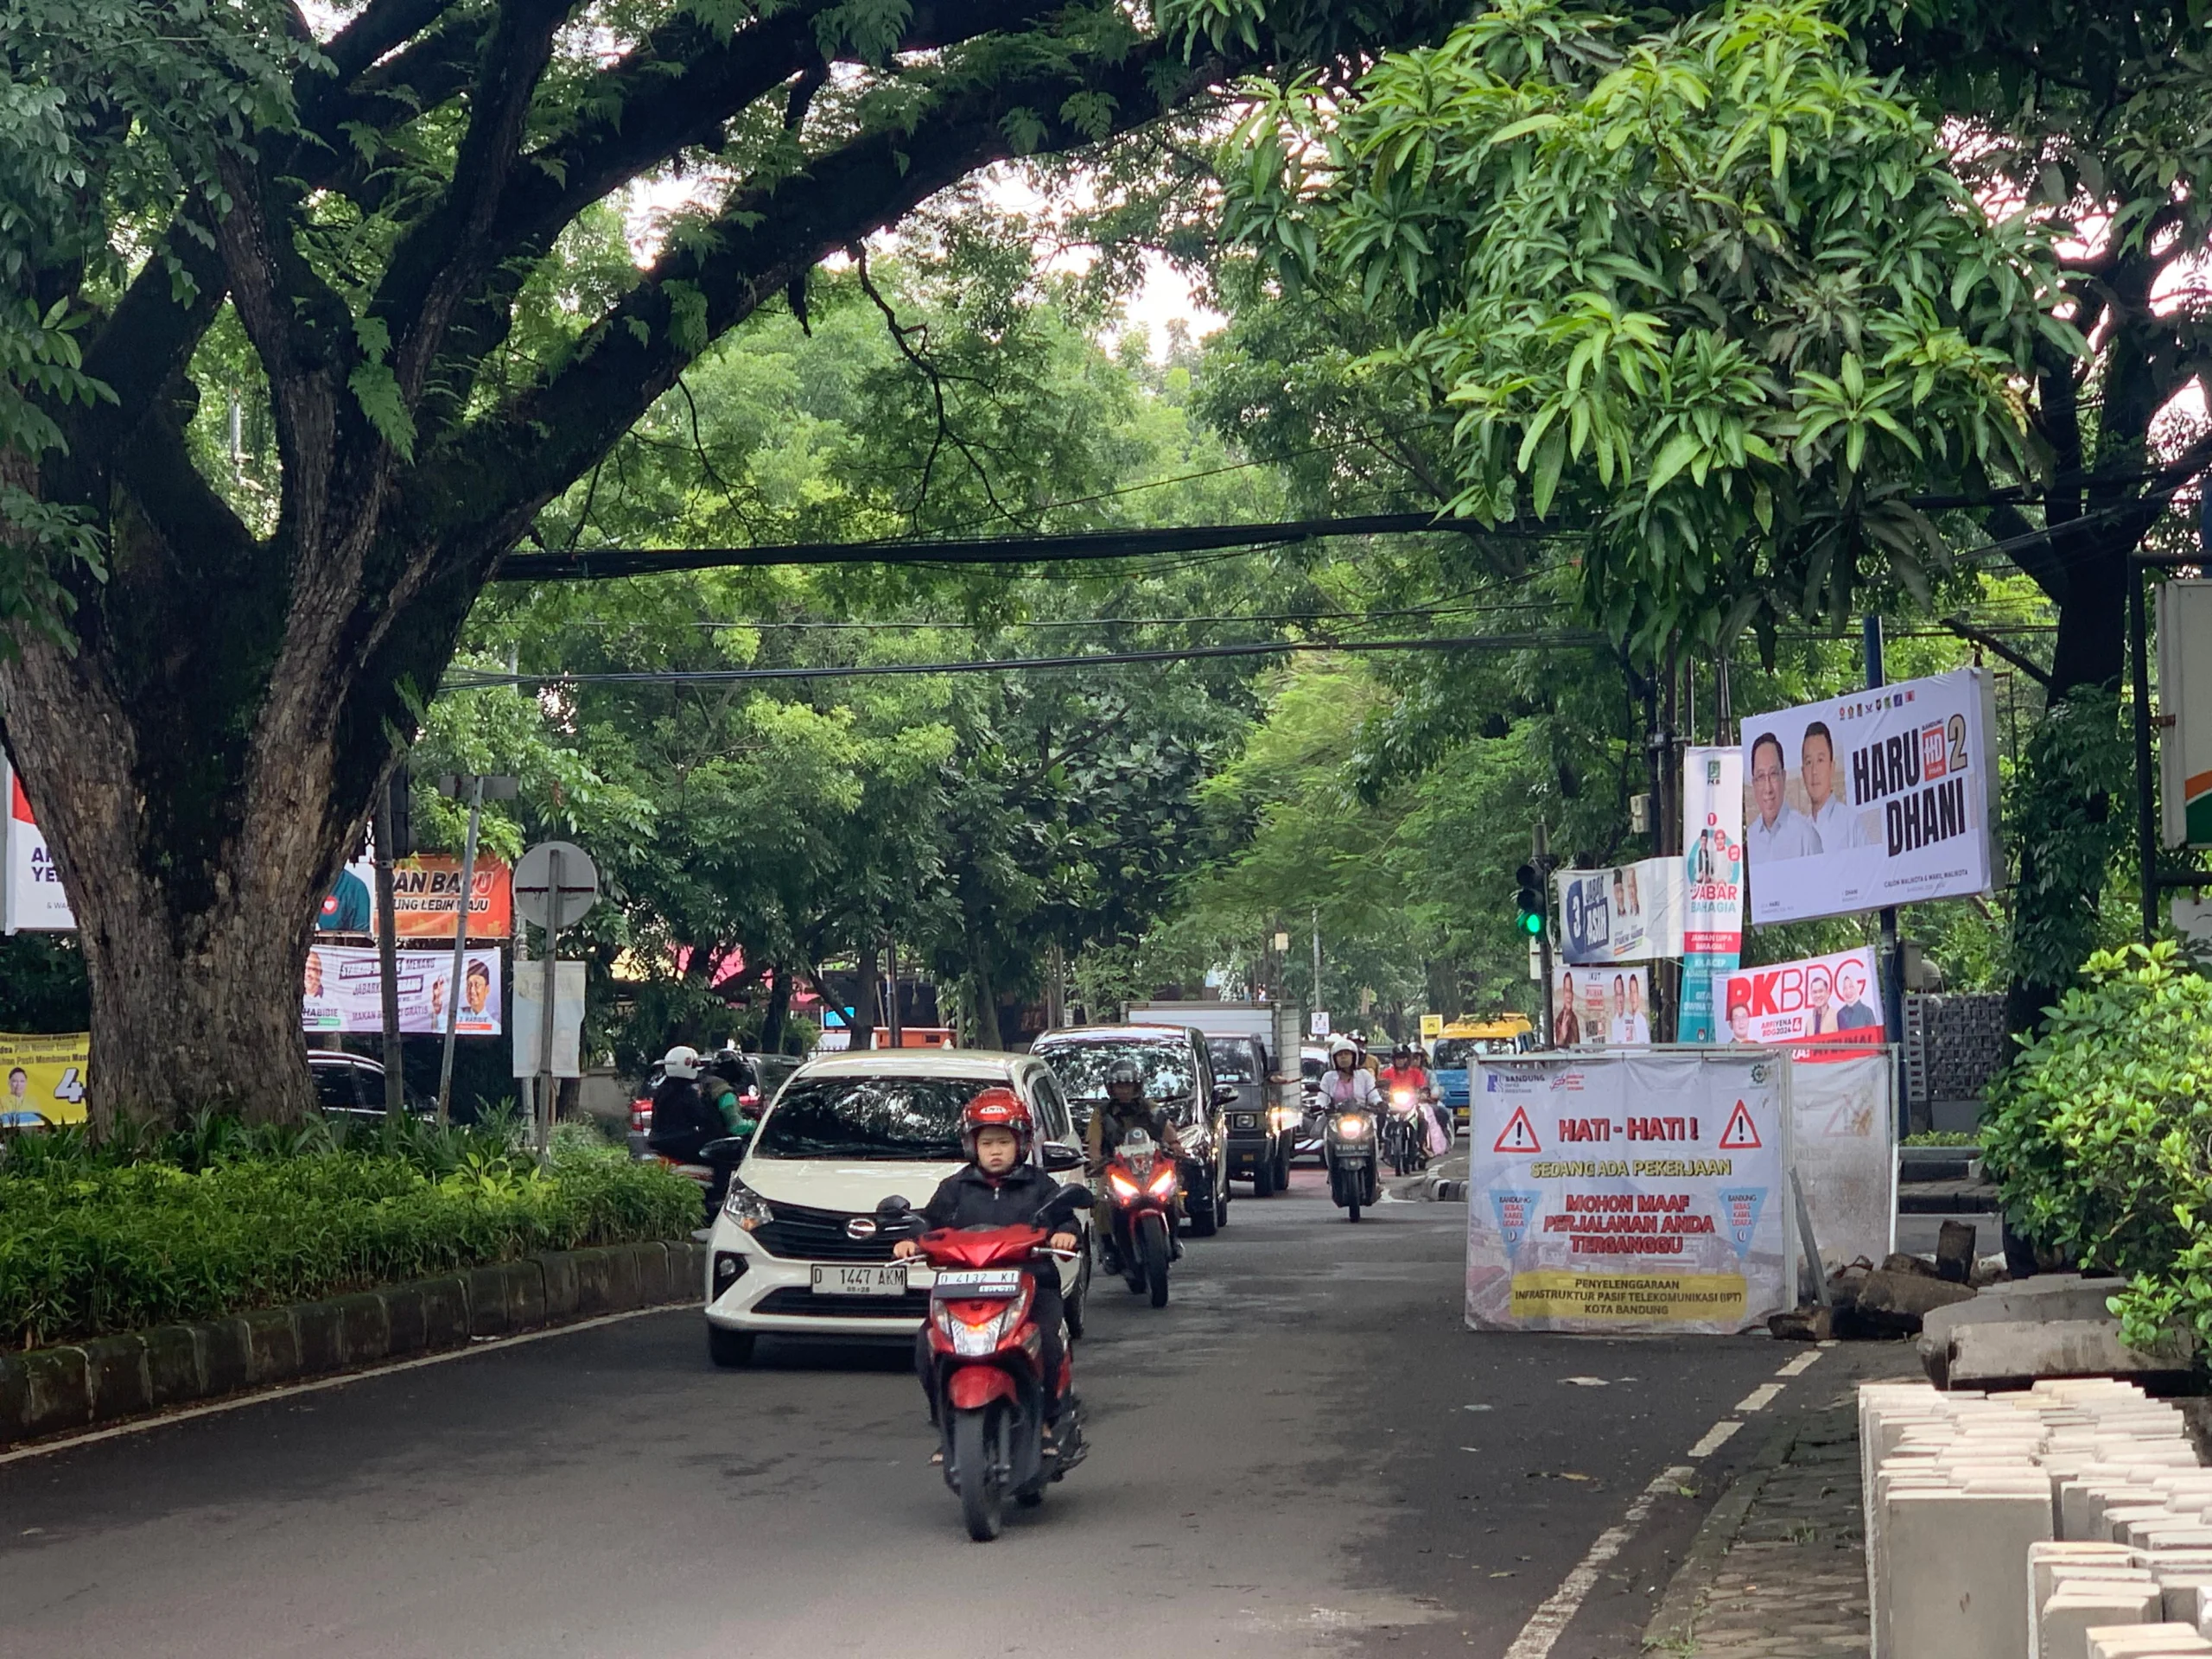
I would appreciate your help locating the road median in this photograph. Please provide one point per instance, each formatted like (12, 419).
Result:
(70, 1387)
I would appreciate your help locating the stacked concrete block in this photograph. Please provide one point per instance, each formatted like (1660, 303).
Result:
(2067, 1521)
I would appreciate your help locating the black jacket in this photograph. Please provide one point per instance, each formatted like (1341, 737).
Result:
(972, 1199)
(682, 1121)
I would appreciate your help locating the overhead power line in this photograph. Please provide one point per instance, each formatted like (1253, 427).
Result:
(596, 563)
(1564, 636)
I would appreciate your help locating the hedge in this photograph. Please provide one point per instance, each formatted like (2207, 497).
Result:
(92, 1244)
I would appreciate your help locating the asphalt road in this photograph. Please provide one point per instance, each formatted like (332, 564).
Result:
(1305, 1452)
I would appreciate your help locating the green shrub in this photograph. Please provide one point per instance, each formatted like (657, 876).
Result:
(211, 1221)
(2100, 1135)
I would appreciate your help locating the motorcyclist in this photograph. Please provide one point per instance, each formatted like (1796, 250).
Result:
(684, 1120)
(1406, 1072)
(1000, 1187)
(1123, 1111)
(1346, 1083)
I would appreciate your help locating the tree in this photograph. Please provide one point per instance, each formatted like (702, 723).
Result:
(204, 693)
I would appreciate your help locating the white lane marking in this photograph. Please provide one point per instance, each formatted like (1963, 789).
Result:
(498, 1345)
(1803, 1363)
(1715, 1438)
(1545, 1624)
(1759, 1398)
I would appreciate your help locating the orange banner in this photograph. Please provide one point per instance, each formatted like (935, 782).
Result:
(423, 891)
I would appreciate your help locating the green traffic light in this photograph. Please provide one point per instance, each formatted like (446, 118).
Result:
(1531, 923)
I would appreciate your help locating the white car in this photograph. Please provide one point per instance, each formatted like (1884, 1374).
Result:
(796, 1250)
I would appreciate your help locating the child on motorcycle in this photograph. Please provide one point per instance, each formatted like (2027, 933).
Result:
(1000, 1187)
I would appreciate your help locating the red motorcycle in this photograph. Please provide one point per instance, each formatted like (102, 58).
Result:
(1140, 1180)
(990, 1382)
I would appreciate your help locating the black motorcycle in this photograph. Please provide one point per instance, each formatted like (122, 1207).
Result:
(1347, 1148)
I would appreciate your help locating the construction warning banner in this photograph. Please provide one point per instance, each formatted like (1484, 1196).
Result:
(45, 1078)
(1629, 1193)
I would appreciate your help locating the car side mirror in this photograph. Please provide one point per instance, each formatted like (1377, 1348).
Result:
(1057, 1157)
(1224, 1095)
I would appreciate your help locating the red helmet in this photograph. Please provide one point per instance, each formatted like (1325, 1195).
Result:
(997, 1108)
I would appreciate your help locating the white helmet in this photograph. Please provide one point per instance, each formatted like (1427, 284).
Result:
(1342, 1046)
(681, 1061)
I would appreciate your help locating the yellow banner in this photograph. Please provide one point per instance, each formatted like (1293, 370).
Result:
(1565, 1295)
(44, 1076)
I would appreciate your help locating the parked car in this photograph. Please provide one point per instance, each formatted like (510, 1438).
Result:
(1261, 1134)
(769, 1072)
(796, 1249)
(351, 1086)
(1178, 1078)
(1312, 1062)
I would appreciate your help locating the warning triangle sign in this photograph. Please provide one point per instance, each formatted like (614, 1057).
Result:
(1741, 1135)
(1520, 1133)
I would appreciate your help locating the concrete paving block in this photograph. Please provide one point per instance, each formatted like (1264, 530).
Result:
(525, 1293)
(226, 1355)
(2119, 1517)
(173, 1374)
(2073, 1609)
(595, 1282)
(2185, 1598)
(115, 1377)
(1955, 1587)
(322, 1346)
(2159, 1641)
(272, 1346)
(2014, 1353)
(2047, 1560)
(402, 1319)
(445, 1312)
(54, 1394)
(622, 1289)
(559, 1273)
(1899, 1301)
(488, 1313)
(364, 1327)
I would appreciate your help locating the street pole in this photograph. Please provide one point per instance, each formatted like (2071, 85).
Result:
(1317, 958)
(545, 1010)
(395, 1100)
(891, 958)
(1540, 850)
(1892, 959)
(2146, 825)
(459, 947)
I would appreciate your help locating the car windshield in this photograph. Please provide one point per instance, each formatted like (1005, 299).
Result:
(909, 1120)
(1232, 1059)
(1081, 1067)
(1451, 1052)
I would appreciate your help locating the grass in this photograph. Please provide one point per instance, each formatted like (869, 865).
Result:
(1944, 1138)
(218, 1218)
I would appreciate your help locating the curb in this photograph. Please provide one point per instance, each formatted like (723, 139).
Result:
(1674, 1622)
(48, 1391)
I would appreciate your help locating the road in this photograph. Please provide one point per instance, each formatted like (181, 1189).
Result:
(1305, 1452)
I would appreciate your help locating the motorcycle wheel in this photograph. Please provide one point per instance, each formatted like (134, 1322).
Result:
(1151, 1244)
(982, 1499)
(1132, 1263)
(1352, 1209)
(1077, 1311)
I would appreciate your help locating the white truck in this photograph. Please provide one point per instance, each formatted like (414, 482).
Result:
(1255, 1051)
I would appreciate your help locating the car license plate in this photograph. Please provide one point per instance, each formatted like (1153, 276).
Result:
(860, 1281)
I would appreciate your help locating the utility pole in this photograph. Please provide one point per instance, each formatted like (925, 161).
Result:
(1317, 958)
(1541, 847)
(1892, 960)
(392, 811)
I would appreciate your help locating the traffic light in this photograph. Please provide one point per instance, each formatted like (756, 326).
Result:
(1530, 900)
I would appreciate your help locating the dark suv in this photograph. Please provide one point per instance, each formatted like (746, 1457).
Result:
(1260, 1143)
(1178, 1080)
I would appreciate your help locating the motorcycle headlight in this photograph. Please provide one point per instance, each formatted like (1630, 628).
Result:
(1122, 1185)
(1352, 1129)
(746, 1208)
(976, 1329)
(1163, 1185)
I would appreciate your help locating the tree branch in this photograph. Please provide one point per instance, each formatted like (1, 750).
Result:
(1987, 641)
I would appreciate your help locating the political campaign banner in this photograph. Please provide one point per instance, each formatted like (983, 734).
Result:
(44, 1079)
(2185, 712)
(342, 990)
(1884, 796)
(424, 889)
(31, 899)
(1627, 912)
(1713, 900)
(1603, 1007)
(1835, 1000)
(1629, 1193)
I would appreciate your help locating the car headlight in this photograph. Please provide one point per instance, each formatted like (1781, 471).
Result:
(746, 1208)
(1285, 1117)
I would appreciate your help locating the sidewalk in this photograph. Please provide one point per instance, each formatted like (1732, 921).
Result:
(1778, 1571)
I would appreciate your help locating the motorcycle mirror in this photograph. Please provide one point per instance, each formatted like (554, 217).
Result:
(894, 1205)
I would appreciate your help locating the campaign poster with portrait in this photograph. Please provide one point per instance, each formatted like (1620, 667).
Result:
(341, 990)
(1833, 1001)
(1628, 913)
(425, 888)
(1603, 1007)
(1880, 797)
(1713, 857)
(43, 1078)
